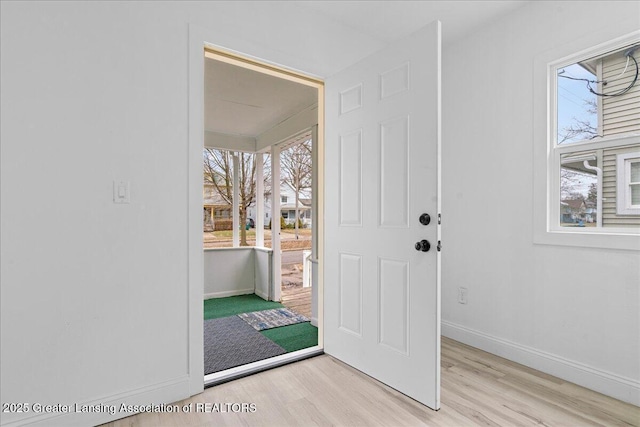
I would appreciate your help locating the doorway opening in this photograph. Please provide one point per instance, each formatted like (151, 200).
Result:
(258, 119)
(296, 223)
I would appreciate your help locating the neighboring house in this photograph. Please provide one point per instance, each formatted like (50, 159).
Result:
(616, 186)
(590, 212)
(287, 207)
(617, 116)
(288, 212)
(252, 211)
(576, 210)
(215, 207)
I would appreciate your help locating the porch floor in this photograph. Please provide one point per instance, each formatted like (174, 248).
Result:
(297, 299)
(223, 350)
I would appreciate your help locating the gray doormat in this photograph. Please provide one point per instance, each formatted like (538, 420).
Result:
(274, 318)
(231, 342)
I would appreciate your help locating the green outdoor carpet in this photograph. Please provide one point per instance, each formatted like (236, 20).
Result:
(216, 308)
(291, 338)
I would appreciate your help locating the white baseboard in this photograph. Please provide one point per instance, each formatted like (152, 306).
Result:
(314, 321)
(229, 293)
(616, 386)
(164, 392)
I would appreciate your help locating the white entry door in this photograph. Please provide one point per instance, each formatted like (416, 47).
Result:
(382, 292)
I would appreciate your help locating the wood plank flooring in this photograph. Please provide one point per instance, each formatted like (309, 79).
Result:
(297, 299)
(478, 389)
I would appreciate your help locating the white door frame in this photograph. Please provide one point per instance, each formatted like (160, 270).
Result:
(199, 38)
(276, 285)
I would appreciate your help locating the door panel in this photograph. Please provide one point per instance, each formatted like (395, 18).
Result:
(350, 301)
(394, 172)
(351, 178)
(382, 309)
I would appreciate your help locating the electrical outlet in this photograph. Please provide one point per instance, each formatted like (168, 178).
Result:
(462, 295)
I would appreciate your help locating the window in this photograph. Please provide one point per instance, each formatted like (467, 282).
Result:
(283, 199)
(586, 124)
(595, 121)
(628, 184)
(579, 190)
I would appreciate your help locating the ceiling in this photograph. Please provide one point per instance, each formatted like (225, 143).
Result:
(388, 21)
(246, 103)
(243, 102)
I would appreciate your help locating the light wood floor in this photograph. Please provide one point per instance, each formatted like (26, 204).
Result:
(478, 389)
(297, 299)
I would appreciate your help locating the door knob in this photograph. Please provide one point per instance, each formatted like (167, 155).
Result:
(425, 219)
(423, 245)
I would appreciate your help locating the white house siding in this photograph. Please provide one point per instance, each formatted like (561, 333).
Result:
(609, 216)
(289, 207)
(620, 114)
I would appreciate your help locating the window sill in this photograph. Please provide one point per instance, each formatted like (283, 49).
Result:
(609, 239)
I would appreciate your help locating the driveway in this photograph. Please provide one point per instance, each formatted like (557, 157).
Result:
(291, 257)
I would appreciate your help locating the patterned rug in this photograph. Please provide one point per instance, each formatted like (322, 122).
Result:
(267, 319)
(230, 342)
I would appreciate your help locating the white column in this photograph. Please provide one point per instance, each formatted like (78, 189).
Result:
(275, 222)
(314, 225)
(236, 201)
(259, 220)
(314, 192)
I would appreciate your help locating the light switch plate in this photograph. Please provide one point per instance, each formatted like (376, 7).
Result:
(121, 192)
(462, 295)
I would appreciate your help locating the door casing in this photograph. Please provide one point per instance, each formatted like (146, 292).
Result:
(200, 38)
(199, 41)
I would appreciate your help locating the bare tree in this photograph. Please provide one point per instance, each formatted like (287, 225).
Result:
(592, 196)
(569, 180)
(578, 129)
(581, 128)
(218, 171)
(296, 168)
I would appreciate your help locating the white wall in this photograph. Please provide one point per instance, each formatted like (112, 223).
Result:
(570, 311)
(229, 271)
(237, 271)
(264, 273)
(94, 295)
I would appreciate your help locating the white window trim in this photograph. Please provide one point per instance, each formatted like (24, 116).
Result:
(546, 154)
(623, 184)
